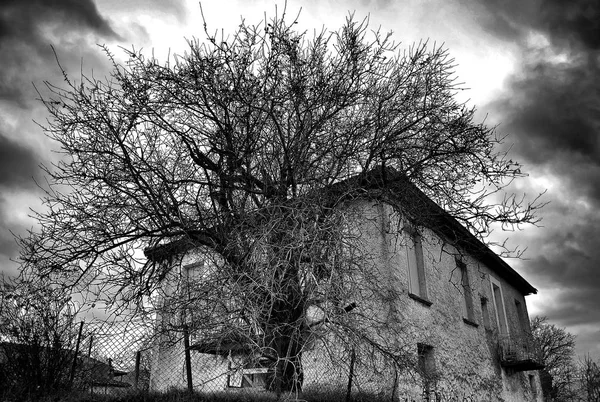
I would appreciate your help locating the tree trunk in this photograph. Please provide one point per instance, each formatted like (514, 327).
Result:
(288, 375)
(286, 320)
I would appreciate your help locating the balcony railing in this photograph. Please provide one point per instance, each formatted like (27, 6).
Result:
(520, 353)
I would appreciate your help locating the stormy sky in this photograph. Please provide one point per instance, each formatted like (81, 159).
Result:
(533, 69)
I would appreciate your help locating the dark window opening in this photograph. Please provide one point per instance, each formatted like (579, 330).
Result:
(532, 385)
(499, 305)
(467, 294)
(485, 312)
(521, 316)
(416, 266)
(426, 363)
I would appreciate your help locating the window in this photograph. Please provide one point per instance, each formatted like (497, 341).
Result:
(426, 362)
(521, 316)
(467, 295)
(192, 275)
(499, 307)
(416, 268)
(532, 385)
(485, 312)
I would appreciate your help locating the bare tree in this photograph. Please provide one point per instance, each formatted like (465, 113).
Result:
(590, 379)
(558, 352)
(37, 337)
(248, 150)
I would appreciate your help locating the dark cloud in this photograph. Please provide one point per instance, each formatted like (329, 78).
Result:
(8, 245)
(572, 23)
(26, 20)
(552, 104)
(18, 164)
(563, 265)
(27, 31)
(568, 252)
(551, 109)
(176, 9)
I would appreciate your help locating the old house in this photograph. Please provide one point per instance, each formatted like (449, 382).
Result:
(461, 309)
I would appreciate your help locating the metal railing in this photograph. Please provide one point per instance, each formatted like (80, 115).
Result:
(520, 352)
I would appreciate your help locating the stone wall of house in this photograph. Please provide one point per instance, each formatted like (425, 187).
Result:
(464, 352)
(460, 346)
(209, 372)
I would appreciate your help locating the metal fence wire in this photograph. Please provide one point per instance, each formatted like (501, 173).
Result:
(112, 358)
(117, 358)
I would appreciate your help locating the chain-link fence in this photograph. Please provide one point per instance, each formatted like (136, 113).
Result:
(120, 358)
(117, 358)
(233, 369)
(112, 358)
(95, 358)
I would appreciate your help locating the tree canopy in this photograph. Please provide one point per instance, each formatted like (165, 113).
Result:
(558, 352)
(229, 147)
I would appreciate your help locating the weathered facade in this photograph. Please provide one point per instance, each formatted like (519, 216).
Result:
(466, 314)
(462, 310)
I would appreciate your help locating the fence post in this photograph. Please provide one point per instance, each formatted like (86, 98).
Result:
(395, 394)
(90, 345)
(74, 366)
(350, 375)
(137, 368)
(188, 359)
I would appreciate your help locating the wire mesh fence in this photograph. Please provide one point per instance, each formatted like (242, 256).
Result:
(119, 358)
(112, 358)
(116, 358)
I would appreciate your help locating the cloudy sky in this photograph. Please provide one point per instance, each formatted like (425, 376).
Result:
(533, 68)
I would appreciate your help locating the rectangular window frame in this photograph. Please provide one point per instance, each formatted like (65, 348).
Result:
(521, 317)
(485, 313)
(192, 273)
(417, 284)
(427, 367)
(499, 307)
(468, 309)
(533, 385)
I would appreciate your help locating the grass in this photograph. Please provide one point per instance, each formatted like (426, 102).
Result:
(242, 395)
(235, 396)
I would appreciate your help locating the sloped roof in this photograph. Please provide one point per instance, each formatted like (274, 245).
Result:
(389, 185)
(427, 213)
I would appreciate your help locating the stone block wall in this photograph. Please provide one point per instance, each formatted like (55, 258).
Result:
(457, 350)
